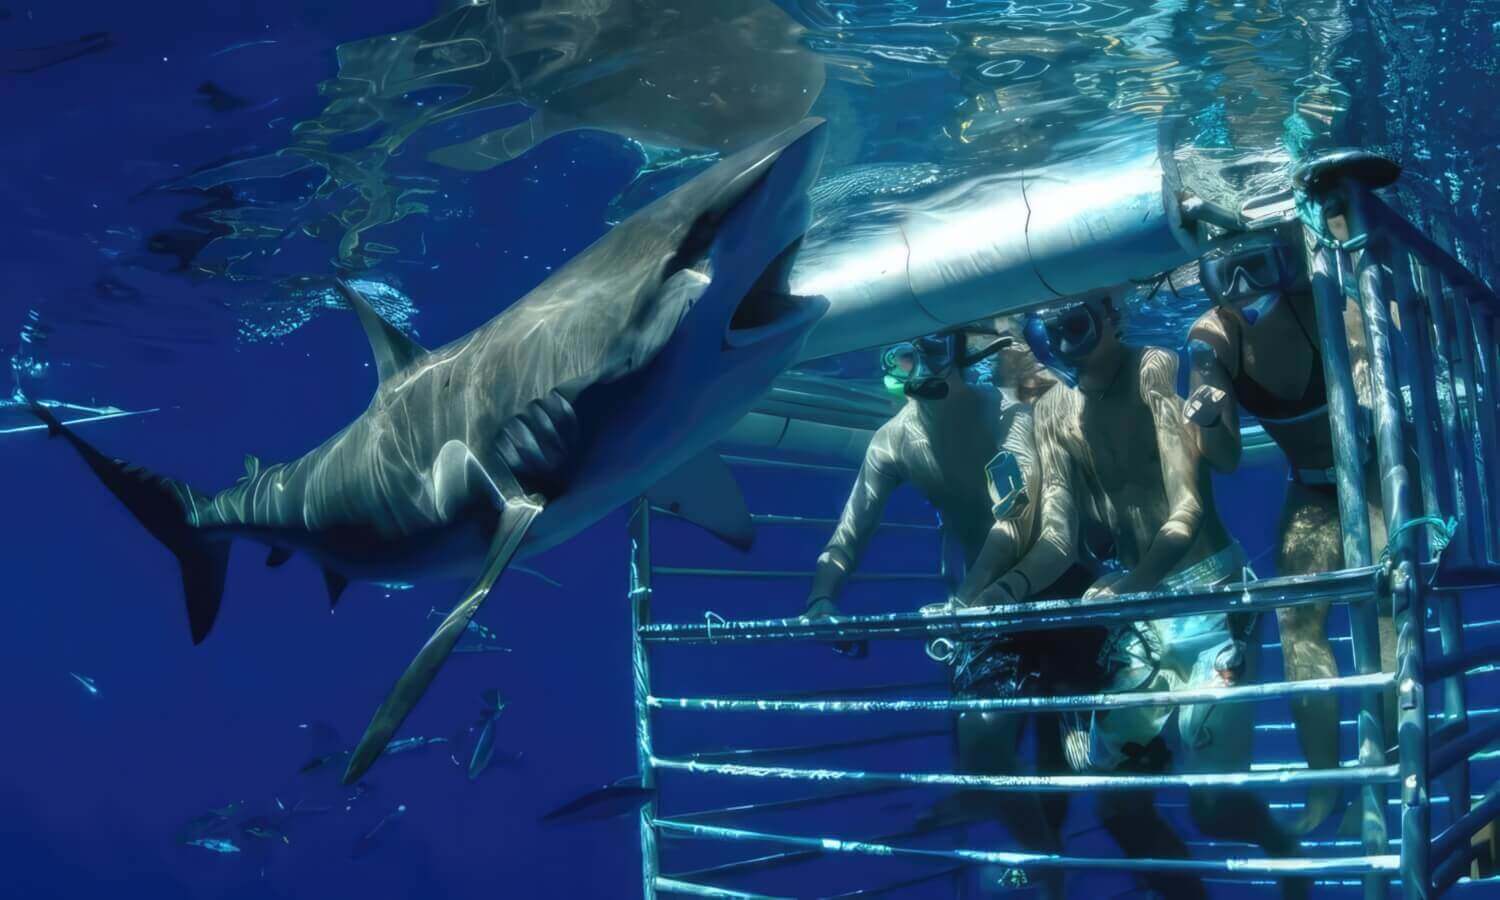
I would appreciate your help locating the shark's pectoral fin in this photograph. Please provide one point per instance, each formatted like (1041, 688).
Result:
(704, 492)
(392, 349)
(516, 516)
(496, 147)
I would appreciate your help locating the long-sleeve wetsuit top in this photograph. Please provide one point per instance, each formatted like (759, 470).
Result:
(941, 447)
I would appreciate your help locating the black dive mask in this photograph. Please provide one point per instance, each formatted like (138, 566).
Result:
(1253, 279)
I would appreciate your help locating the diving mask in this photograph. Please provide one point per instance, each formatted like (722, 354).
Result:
(1253, 278)
(1069, 332)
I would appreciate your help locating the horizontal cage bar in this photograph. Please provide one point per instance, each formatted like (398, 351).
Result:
(1046, 783)
(1349, 585)
(1345, 865)
(1243, 694)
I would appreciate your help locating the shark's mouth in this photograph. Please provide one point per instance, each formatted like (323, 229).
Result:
(769, 309)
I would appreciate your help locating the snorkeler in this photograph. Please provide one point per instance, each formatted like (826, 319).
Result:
(1258, 349)
(1115, 447)
(944, 440)
(940, 441)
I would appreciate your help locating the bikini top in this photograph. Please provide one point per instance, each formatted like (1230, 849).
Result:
(1269, 408)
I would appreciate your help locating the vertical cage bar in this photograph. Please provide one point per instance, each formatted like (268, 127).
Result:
(640, 615)
(1460, 467)
(1460, 354)
(1485, 399)
(1407, 601)
(1421, 380)
(1343, 420)
(1471, 370)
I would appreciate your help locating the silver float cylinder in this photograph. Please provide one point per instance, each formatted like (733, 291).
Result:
(986, 244)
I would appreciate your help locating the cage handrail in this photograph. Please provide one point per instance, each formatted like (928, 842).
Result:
(1458, 834)
(1422, 246)
(693, 889)
(1280, 867)
(1448, 754)
(1441, 667)
(1046, 783)
(1248, 693)
(1344, 586)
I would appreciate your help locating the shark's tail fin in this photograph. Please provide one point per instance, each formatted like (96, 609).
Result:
(167, 508)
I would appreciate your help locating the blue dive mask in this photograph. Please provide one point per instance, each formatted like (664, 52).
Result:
(1069, 332)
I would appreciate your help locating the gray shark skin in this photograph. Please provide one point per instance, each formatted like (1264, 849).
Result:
(618, 370)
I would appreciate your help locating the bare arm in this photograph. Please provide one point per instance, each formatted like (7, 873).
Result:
(1056, 544)
(1000, 552)
(1179, 470)
(878, 477)
(1211, 407)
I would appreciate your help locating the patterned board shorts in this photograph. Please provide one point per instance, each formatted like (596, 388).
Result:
(1031, 664)
(1170, 655)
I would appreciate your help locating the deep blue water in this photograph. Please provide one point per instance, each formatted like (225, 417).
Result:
(95, 789)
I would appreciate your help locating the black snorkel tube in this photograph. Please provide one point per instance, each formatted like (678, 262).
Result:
(940, 356)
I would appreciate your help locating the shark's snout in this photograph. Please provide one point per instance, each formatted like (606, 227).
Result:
(757, 244)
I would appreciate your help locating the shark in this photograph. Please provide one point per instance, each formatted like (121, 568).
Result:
(608, 381)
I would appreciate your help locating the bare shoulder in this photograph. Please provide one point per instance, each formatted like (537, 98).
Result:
(1219, 332)
(1056, 408)
(1158, 369)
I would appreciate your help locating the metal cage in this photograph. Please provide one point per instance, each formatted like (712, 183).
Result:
(1429, 332)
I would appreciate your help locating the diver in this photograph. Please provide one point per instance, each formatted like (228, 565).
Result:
(945, 440)
(1115, 448)
(940, 441)
(1258, 349)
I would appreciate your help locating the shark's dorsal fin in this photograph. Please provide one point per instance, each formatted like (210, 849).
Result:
(392, 349)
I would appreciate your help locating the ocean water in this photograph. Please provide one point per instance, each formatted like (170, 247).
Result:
(179, 180)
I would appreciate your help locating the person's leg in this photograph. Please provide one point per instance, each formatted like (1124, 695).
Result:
(987, 745)
(1218, 739)
(1050, 760)
(1311, 542)
(1131, 819)
(1126, 741)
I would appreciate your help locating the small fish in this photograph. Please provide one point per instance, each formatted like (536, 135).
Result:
(484, 748)
(406, 745)
(217, 845)
(367, 841)
(262, 828)
(206, 824)
(475, 639)
(612, 801)
(87, 683)
(329, 756)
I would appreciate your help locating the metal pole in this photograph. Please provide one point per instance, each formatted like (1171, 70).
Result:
(1432, 467)
(1485, 399)
(1364, 630)
(1408, 607)
(1461, 461)
(640, 615)
(1472, 370)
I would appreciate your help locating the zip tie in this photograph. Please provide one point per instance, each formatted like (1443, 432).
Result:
(1445, 530)
(710, 619)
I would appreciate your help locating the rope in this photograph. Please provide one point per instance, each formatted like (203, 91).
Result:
(1445, 530)
(1310, 211)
